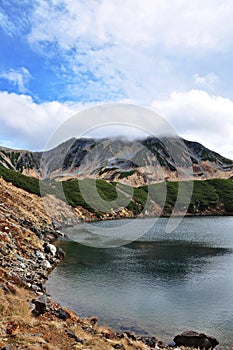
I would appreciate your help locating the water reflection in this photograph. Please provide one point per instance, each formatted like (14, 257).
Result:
(172, 283)
(161, 259)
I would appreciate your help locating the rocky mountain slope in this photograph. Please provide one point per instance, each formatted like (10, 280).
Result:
(136, 162)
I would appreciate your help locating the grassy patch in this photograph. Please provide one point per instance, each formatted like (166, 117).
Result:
(99, 194)
(124, 174)
(224, 190)
(204, 197)
(27, 183)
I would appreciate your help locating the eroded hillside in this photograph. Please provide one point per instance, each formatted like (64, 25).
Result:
(134, 163)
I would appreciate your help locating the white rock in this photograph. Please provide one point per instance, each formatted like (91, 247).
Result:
(51, 248)
(20, 258)
(60, 233)
(46, 264)
(40, 255)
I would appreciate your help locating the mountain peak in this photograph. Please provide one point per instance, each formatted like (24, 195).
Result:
(139, 161)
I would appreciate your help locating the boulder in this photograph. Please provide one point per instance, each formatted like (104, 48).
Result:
(130, 335)
(40, 255)
(50, 248)
(194, 339)
(46, 264)
(93, 320)
(40, 305)
(62, 314)
(71, 334)
(60, 253)
(149, 341)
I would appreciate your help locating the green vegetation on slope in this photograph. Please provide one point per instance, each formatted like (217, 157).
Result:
(207, 196)
(27, 183)
(204, 197)
(105, 190)
(224, 190)
(124, 174)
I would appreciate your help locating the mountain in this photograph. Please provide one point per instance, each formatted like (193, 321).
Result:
(135, 162)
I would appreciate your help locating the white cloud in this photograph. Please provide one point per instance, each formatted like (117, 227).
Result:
(27, 124)
(195, 115)
(19, 77)
(179, 23)
(198, 116)
(130, 48)
(207, 81)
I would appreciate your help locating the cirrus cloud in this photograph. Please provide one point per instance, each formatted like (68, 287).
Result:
(178, 23)
(19, 77)
(131, 49)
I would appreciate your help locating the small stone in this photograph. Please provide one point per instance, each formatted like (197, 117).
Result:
(35, 287)
(72, 335)
(23, 266)
(20, 258)
(130, 335)
(40, 305)
(93, 320)
(62, 314)
(172, 344)
(60, 233)
(150, 341)
(161, 344)
(46, 264)
(60, 252)
(50, 248)
(118, 346)
(40, 255)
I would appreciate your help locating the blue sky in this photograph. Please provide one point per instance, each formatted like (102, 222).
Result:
(58, 57)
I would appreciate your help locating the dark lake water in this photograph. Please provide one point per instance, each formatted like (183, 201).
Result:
(162, 284)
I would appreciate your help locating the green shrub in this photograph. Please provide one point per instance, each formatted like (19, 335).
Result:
(27, 183)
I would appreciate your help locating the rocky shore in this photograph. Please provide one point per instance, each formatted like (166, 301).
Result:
(30, 319)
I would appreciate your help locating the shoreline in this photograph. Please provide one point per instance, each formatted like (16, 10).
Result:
(93, 220)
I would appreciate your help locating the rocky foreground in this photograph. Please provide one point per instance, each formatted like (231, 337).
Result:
(29, 318)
